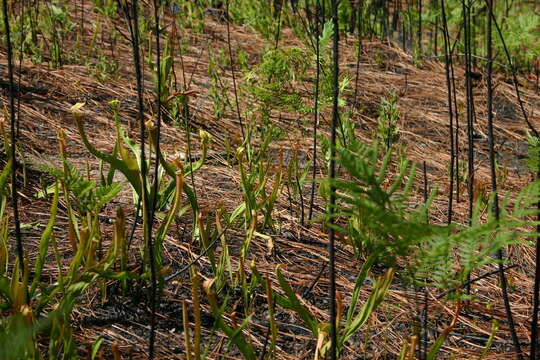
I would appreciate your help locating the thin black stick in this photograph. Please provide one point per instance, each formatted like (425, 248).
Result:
(158, 110)
(479, 57)
(203, 253)
(278, 31)
(450, 110)
(127, 15)
(13, 139)
(134, 29)
(135, 222)
(480, 277)
(491, 141)
(332, 175)
(154, 297)
(419, 27)
(306, 25)
(358, 53)
(82, 21)
(436, 36)
(456, 110)
(470, 112)
(470, 115)
(265, 346)
(315, 281)
(425, 311)
(456, 113)
(514, 78)
(316, 111)
(232, 71)
(21, 55)
(536, 299)
(299, 186)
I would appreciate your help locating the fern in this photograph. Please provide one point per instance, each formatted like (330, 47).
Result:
(273, 82)
(373, 213)
(89, 196)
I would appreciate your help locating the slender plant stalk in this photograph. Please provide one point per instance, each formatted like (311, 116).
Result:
(395, 15)
(332, 175)
(470, 115)
(133, 21)
(21, 55)
(187, 336)
(425, 311)
(491, 141)
(456, 113)
(436, 36)
(158, 110)
(514, 78)
(187, 119)
(299, 186)
(419, 27)
(476, 279)
(135, 222)
(196, 285)
(306, 22)
(323, 12)
(536, 293)
(403, 37)
(456, 110)
(13, 140)
(154, 297)
(271, 317)
(82, 21)
(202, 254)
(232, 71)
(450, 111)
(316, 110)
(536, 299)
(411, 23)
(358, 53)
(279, 5)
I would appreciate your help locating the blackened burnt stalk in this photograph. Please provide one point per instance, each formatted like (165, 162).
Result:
(13, 139)
(332, 175)
(491, 140)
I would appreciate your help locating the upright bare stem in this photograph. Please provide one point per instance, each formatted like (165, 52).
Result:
(491, 141)
(133, 19)
(316, 111)
(450, 110)
(232, 71)
(332, 175)
(13, 139)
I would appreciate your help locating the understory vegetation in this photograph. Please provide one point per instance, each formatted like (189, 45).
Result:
(252, 179)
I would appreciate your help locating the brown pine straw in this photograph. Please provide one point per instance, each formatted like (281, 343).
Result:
(47, 94)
